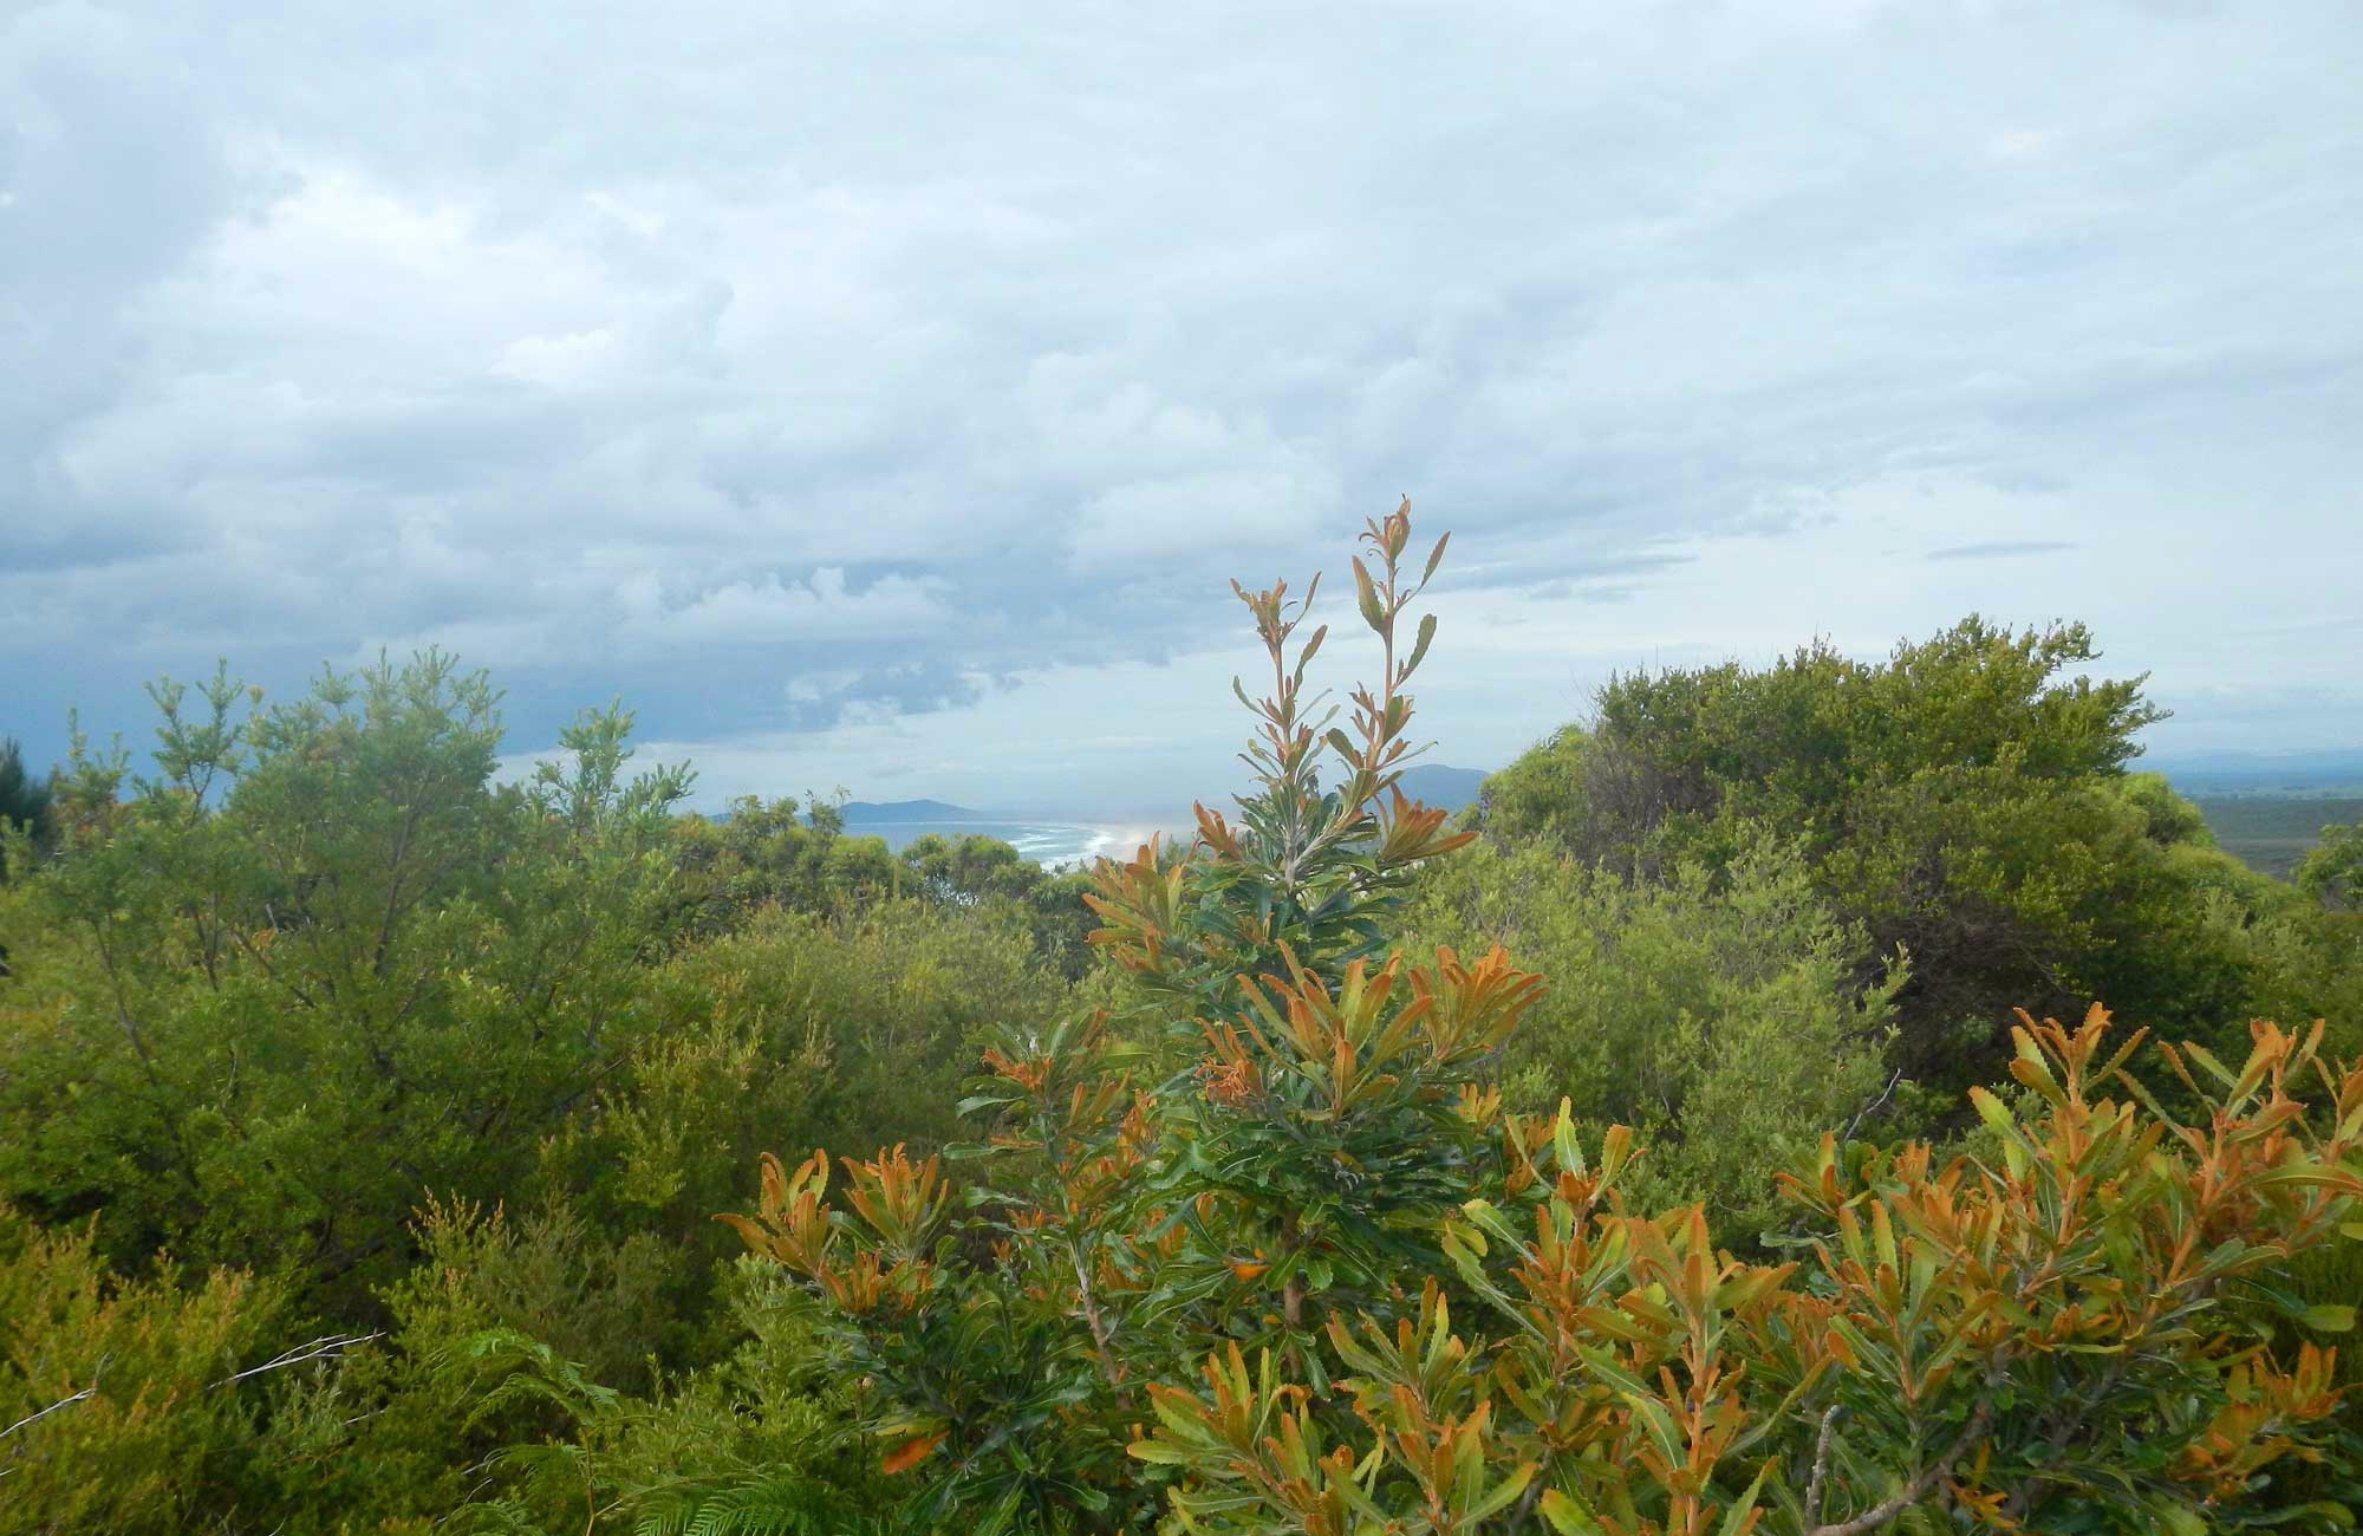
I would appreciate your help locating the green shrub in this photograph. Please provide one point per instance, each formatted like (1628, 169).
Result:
(2332, 870)
(1965, 801)
(1278, 1259)
(119, 1407)
(805, 1029)
(261, 1025)
(1723, 1017)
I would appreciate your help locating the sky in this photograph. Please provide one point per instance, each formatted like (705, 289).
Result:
(881, 397)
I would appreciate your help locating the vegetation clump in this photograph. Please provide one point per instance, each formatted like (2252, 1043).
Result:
(1659, 1149)
(1283, 1246)
(1968, 805)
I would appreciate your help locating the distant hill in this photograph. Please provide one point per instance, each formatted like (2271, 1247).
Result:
(2225, 774)
(1444, 787)
(871, 813)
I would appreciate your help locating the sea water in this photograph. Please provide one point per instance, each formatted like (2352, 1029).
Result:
(1051, 843)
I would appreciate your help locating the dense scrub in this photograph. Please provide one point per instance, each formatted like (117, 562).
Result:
(1657, 1153)
(1727, 1017)
(1968, 804)
(445, 1073)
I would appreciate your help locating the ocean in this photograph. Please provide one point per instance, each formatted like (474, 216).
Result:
(1052, 843)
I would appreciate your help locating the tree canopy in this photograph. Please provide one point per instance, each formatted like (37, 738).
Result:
(1966, 802)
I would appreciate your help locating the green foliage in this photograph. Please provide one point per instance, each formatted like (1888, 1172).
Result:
(467, 1419)
(1725, 1019)
(854, 1028)
(24, 809)
(763, 1443)
(402, 1430)
(470, 1061)
(2167, 818)
(362, 1111)
(1816, 737)
(1964, 802)
(1299, 1156)
(765, 854)
(983, 871)
(761, 854)
(118, 1407)
(2332, 871)
(322, 927)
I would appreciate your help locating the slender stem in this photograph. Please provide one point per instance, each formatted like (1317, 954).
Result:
(1821, 1462)
(43, 1413)
(1097, 1323)
(1917, 1489)
(328, 1347)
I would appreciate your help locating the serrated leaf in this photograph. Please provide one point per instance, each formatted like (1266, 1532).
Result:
(1566, 1516)
(1366, 597)
(2206, 1058)
(1419, 647)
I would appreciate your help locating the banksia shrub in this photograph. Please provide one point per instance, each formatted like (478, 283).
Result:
(1270, 1256)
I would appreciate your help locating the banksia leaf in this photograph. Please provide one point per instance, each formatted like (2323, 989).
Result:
(910, 1453)
(1419, 646)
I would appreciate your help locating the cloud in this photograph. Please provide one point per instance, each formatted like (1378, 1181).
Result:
(1243, 511)
(828, 382)
(771, 609)
(2001, 549)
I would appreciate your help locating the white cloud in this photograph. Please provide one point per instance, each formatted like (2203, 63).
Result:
(792, 371)
(1242, 512)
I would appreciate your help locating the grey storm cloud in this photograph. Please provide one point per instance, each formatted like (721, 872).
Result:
(861, 392)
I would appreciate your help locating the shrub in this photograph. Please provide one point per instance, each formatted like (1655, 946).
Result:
(1965, 801)
(24, 814)
(120, 1408)
(1724, 1018)
(765, 854)
(323, 927)
(2032, 1347)
(852, 1028)
(1286, 1218)
(2332, 870)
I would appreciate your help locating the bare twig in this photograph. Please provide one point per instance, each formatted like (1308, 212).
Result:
(63, 1402)
(1917, 1489)
(1821, 1463)
(1871, 1108)
(327, 1347)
